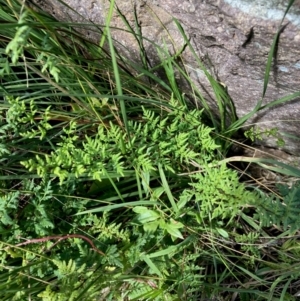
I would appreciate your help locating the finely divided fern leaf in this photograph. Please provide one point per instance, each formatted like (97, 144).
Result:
(284, 214)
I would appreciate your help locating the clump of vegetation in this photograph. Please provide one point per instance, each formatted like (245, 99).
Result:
(114, 188)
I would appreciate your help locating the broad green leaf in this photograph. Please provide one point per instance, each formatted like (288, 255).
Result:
(176, 224)
(173, 228)
(146, 215)
(152, 226)
(174, 231)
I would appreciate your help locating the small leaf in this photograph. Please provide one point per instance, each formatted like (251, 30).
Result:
(222, 232)
(145, 215)
(172, 228)
(157, 192)
(173, 231)
(148, 216)
(183, 200)
(152, 226)
(146, 181)
(140, 209)
(176, 224)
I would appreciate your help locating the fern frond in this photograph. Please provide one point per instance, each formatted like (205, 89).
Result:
(283, 213)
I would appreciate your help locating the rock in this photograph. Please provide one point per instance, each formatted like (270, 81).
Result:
(231, 37)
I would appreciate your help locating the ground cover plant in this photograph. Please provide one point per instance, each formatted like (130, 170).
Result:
(114, 187)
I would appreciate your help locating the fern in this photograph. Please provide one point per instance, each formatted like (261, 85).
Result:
(183, 140)
(9, 203)
(256, 133)
(16, 46)
(217, 193)
(79, 158)
(113, 256)
(135, 250)
(21, 118)
(67, 276)
(38, 213)
(144, 290)
(249, 244)
(103, 228)
(283, 213)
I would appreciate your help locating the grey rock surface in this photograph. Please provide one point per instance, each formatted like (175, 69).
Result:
(231, 37)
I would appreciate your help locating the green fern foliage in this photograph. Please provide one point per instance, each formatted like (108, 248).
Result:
(217, 193)
(71, 279)
(98, 207)
(182, 138)
(23, 119)
(15, 47)
(8, 204)
(284, 213)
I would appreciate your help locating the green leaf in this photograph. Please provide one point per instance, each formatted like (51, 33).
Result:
(183, 200)
(151, 265)
(273, 49)
(148, 216)
(167, 188)
(157, 192)
(140, 209)
(173, 228)
(223, 233)
(164, 252)
(152, 226)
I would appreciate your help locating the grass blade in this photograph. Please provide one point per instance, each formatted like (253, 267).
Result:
(167, 188)
(273, 49)
(151, 265)
(117, 206)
